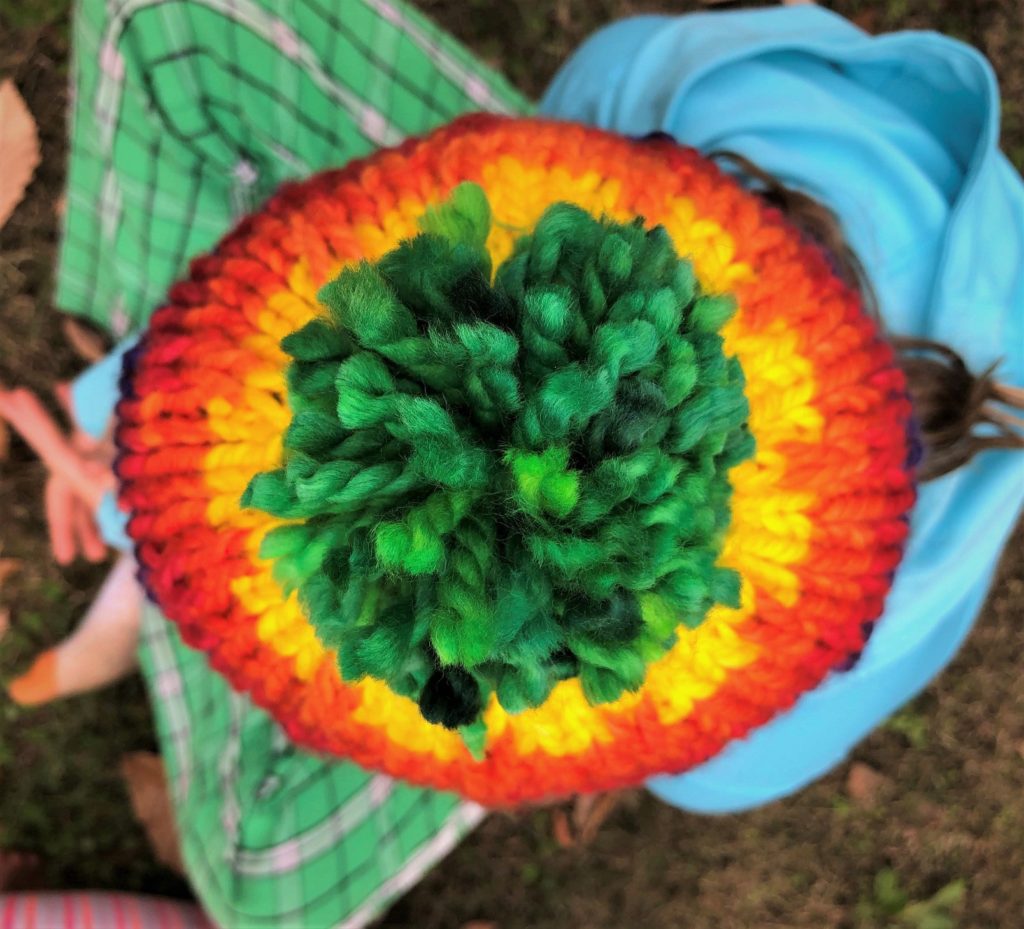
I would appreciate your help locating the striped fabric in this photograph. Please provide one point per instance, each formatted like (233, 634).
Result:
(97, 911)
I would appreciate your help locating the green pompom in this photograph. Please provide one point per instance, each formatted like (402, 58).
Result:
(498, 485)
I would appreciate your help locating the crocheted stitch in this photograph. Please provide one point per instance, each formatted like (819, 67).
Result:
(416, 456)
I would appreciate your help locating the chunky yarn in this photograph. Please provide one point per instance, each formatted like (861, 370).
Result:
(497, 483)
(520, 460)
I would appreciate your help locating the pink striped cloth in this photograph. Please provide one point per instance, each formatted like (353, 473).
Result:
(97, 911)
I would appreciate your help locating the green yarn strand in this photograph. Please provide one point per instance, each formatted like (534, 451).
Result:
(499, 485)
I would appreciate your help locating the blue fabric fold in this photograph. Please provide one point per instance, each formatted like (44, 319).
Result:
(94, 395)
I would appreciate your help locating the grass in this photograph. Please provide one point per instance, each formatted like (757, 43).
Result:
(943, 850)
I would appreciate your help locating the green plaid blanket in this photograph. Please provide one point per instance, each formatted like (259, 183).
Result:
(271, 835)
(187, 114)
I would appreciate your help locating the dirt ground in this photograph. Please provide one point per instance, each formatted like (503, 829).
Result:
(941, 846)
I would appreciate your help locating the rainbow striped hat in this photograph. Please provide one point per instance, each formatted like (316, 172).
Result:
(520, 460)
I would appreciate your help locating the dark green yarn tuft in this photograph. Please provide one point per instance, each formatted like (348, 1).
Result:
(451, 697)
(501, 485)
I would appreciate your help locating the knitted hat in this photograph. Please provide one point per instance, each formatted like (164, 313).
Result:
(520, 460)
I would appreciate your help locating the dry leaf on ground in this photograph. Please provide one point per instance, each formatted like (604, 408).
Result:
(7, 567)
(868, 20)
(590, 813)
(865, 785)
(19, 148)
(146, 777)
(5, 440)
(561, 829)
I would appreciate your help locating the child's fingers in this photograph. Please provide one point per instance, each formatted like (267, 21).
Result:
(75, 460)
(62, 391)
(87, 445)
(60, 501)
(80, 440)
(89, 541)
(23, 410)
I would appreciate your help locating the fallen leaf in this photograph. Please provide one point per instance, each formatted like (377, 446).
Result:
(19, 148)
(865, 785)
(867, 20)
(579, 826)
(590, 813)
(563, 14)
(5, 440)
(561, 829)
(146, 778)
(5, 621)
(88, 344)
(7, 567)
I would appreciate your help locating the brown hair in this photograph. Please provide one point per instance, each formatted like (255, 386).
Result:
(958, 413)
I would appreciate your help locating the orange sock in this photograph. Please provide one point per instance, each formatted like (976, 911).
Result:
(39, 683)
(99, 652)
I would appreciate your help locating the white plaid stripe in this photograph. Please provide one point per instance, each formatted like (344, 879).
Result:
(165, 680)
(321, 837)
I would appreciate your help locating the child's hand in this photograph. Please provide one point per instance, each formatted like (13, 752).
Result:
(102, 648)
(80, 473)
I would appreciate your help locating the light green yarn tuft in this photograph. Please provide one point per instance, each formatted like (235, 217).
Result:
(463, 219)
(503, 485)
